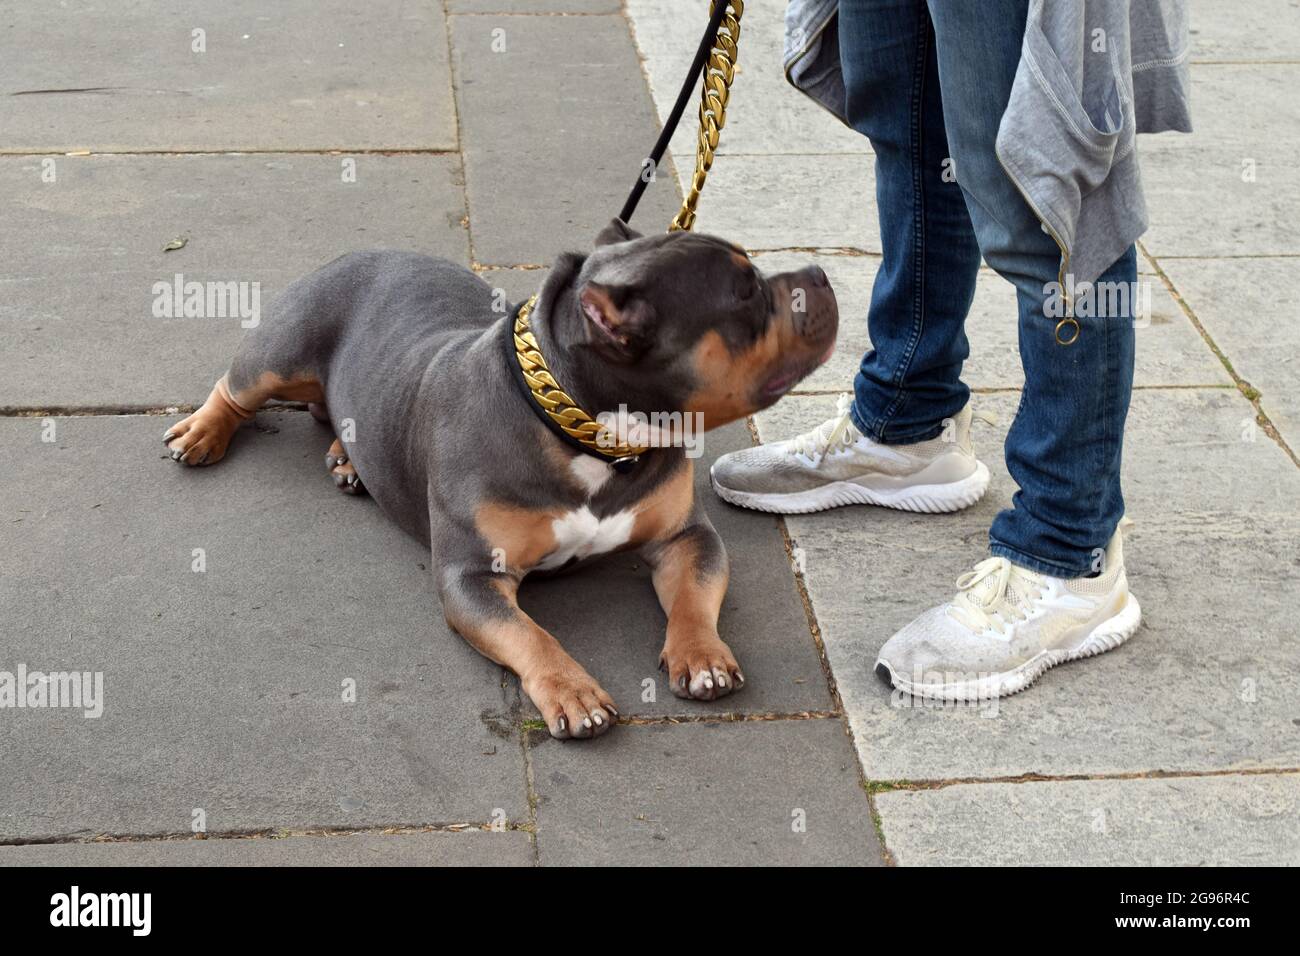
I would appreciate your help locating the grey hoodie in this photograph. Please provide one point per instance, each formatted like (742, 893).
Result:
(1093, 74)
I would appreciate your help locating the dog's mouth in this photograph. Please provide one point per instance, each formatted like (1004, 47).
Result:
(791, 375)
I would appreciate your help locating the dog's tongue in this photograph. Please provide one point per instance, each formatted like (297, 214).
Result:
(780, 384)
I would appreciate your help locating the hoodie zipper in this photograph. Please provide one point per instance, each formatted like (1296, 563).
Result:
(1065, 259)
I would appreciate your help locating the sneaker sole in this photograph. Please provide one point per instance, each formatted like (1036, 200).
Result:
(1106, 636)
(927, 499)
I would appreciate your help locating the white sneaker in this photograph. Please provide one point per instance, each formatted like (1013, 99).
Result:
(835, 464)
(1006, 626)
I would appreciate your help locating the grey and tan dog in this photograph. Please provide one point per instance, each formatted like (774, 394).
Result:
(414, 362)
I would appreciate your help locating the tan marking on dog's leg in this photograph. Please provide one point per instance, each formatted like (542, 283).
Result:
(482, 608)
(304, 387)
(664, 512)
(343, 471)
(690, 579)
(517, 538)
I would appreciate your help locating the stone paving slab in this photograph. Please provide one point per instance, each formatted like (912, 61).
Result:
(1169, 350)
(619, 636)
(1242, 219)
(518, 284)
(1226, 189)
(1239, 110)
(223, 690)
(297, 74)
(78, 302)
(1208, 683)
(704, 794)
(1246, 308)
(553, 141)
(1195, 821)
(543, 7)
(1256, 32)
(467, 848)
(767, 202)
(765, 114)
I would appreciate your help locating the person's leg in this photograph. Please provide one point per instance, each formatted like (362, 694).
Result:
(1063, 449)
(1037, 601)
(903, 439)
(910, 381)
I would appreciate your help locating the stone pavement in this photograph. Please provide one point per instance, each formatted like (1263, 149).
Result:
(497, 133)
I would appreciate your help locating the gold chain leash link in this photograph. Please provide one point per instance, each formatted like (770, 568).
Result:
(718, 74)
(553, 399)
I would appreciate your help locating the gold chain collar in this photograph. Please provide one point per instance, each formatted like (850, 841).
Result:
(554, 401)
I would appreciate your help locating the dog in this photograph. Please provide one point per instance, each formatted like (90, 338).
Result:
(489, 432)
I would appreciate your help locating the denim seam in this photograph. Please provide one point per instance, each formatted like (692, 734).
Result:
(1108, 408)
(918, 223)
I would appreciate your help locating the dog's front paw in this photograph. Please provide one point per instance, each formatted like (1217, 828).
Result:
(701, 667)
(572, 704)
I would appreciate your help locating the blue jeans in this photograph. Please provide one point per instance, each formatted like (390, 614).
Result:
(927, 83)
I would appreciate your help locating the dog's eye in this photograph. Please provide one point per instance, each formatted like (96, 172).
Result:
(746, 285)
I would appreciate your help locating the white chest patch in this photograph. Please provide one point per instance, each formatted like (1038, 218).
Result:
(592, 473)
(580, 534)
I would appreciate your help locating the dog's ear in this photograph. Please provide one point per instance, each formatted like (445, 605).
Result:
(619, 321)
(616, 231)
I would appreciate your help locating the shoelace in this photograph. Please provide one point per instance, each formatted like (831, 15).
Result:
(981, 602)
(829, 434)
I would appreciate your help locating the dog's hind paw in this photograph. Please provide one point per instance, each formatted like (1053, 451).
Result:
(343, 471)
(200, 439)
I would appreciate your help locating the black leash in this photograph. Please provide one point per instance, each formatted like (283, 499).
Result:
(675, 117)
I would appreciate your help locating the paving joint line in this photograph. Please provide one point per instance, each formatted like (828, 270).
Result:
(728, 717)
(530, 778)
(111, 411)
(262, 833)
(669, 161)
(530, 13)
(1013, 389)
(1247, 390)
(942, 783)
(848, 252)
(1260, 255)
(251, 151)
(453, 77)
(1244, 62)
